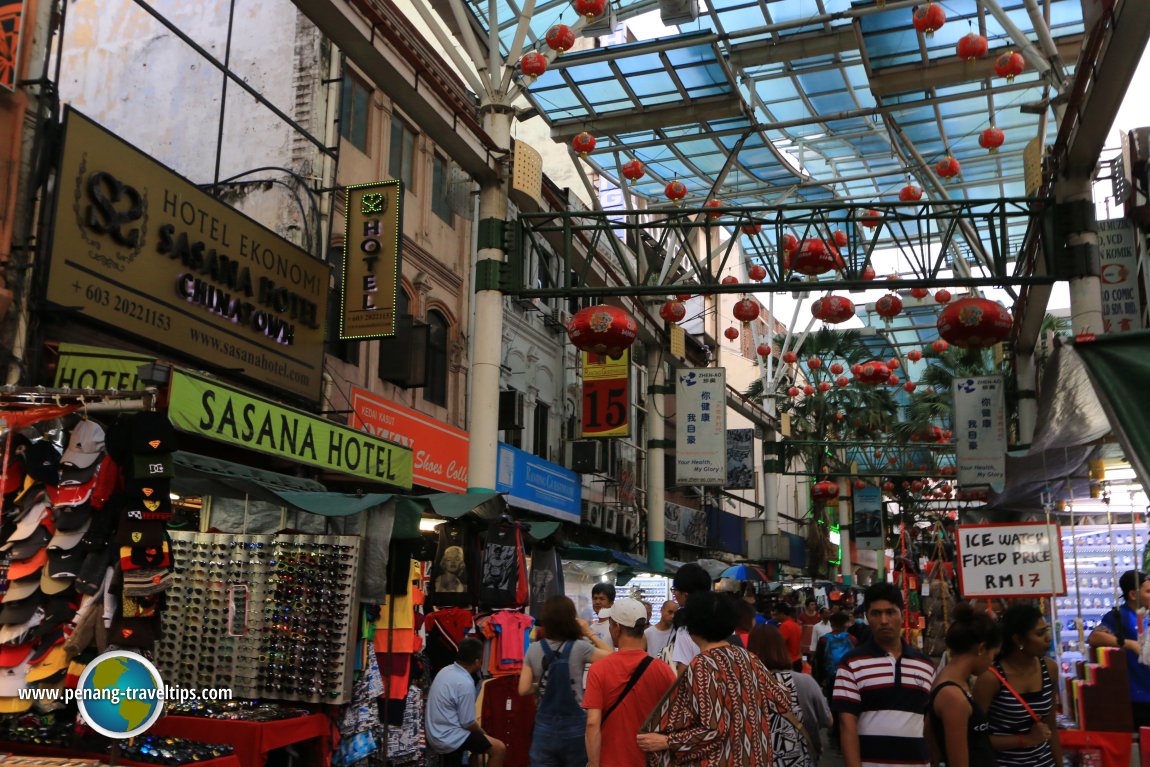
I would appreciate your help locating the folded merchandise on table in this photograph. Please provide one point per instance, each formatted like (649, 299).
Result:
(236, 710)
(154, 749)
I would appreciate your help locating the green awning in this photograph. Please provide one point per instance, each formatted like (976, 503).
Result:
(1119, 367)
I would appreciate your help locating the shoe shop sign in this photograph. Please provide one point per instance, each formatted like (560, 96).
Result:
(143, 250)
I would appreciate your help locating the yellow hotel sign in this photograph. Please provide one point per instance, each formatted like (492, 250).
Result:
(372, 244)
(141, 249)
(210, 409)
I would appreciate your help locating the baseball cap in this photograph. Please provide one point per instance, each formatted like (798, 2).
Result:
(92, 572)
(29, 500)
(30, 545)
(151, 434)
(64, 563)
(46, 702)
(58, 610)
(27, 525)
(15, 654)
(14, 679)
(69, 518)
(42, 461)
(16, 632)
(21, 569)
(70, 495)
(55, 661)
(52, 639)
(153, 466)
(17, 613)
(625, 612)
(73, 475)
(18, 590)
(69, 539)
(145, 533)
(133, 632)
(50, 585)
(85, 444)
(148, 499)
(107, 481)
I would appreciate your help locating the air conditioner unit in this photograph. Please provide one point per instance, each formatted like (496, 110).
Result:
(642, 381)
(588, 456)
(610, 519)
(557, 319)
(626, 524)
(593, 515)
(603, 25)
(676, 12)
(512, 410)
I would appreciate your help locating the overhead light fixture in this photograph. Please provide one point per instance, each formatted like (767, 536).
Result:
(430, 525)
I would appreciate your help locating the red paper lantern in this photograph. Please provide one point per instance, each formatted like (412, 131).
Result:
(673, 311)
(917, 486)
(894, 363)
(633, 171)
(873, 373)
(713, 204)
(790, 358)
(808, 390)
(675, 191)
(910, 193)
(836, 368)
(751, 228)
(942, 296)
(824, 386)
(560, 38)
(855, 368)
(972, 46)
(790, 244)
(840, 415)
(909, 386)
(888, 486)
(814, 363)
(1009, 65)
(583, 144)
(833, 309)
(893, 380)
(746, 310)
(914, 355)
(813, 258)
(683, 296)
(730, 280)
(825, 491)
(603, 330)
(868, 273)
(793, 391)
(991, 139)
(948, 167)
(929, 18)
(919, 292)
(974, 323)
(859, 484)
(757, 272)
(842, 381)
(731, 333)
(888, 306)
(590, 8)
(871, 218)
(533, 64)
(940, 346)
(840, 238)
(764, 350)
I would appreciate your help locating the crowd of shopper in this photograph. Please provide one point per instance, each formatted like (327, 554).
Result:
(710, 686)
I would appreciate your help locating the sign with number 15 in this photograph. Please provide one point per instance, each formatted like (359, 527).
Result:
(606, 395)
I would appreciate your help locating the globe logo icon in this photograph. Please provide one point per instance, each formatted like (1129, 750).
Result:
(120, 694)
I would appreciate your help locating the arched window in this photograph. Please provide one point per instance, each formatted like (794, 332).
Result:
(436, 389)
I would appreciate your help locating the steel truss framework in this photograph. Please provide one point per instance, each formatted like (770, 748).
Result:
(955, 243)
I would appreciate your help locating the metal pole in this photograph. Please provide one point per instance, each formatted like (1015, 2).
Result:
(1086, 288)
(844, 530)
(483, 449)
(656, 471)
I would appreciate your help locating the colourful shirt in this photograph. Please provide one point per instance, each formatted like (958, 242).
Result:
(605, 683)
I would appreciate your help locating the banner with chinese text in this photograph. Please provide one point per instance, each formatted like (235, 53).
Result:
(980, 430)
(701, 427)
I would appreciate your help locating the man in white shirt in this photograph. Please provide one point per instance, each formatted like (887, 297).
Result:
(659, 634)
(602, 597)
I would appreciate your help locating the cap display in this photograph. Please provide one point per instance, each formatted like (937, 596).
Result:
(26, 526)
(56, 660)
(85, 445)
(70, 495)
(17, 632)
(64, 563)
(153, 466)
(73, 475)
(626, 612)
(42, 462)
(18, 570)
(151, 433)
(50, 585)
(92, 572)
(17, 613)
(18, 590)
(15, 654)
(70, 539)
(69, 518)
(30, 545)
(107, 480)
(46, 643)
(14, 679)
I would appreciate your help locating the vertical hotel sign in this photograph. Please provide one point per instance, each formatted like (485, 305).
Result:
(139, 248)
(1118, 265)
(701, 427)
(606, 395)
(980, 426)
(371, 257)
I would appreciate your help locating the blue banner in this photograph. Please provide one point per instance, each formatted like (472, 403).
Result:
(725, 532)
(868, 519)
(537, 485)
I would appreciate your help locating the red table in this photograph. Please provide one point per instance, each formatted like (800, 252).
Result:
(253, 740)
(1114, 746)
(27, 749)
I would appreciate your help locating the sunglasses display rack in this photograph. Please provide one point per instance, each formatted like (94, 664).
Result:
(268, 616)
(1103, 555)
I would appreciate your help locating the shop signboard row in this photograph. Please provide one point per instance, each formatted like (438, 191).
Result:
(537, 485)
(1010, 560)
(140, 249)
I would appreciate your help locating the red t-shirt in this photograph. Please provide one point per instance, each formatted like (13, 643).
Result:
(807, 622)
(793, 633)
(605, 683)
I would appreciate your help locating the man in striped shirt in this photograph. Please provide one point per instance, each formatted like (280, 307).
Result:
(881, 690)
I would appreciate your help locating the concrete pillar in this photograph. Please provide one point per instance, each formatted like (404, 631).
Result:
(1077, 197)
(656, 470)
(483, 450)
(770, 490)
(844, 530)
(1026, 377)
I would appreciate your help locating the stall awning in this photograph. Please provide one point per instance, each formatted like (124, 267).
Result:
(1119, 366)
(602, 554)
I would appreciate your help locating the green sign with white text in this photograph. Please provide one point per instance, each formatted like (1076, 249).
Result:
(219, 412)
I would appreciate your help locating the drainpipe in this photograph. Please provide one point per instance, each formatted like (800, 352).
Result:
(656, 455)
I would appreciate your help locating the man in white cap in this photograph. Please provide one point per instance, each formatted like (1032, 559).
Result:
(623, 689)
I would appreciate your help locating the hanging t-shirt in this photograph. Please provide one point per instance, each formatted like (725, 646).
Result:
(403, 614)
(546, 577)
(455, 566)
(446, 628)
(512, 628)
(503, 567)
(508, 716)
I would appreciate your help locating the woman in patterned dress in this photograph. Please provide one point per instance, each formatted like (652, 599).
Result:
(718, 713)
(793, 746)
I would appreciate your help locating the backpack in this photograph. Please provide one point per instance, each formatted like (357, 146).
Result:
(838, 645)
(557, 697)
